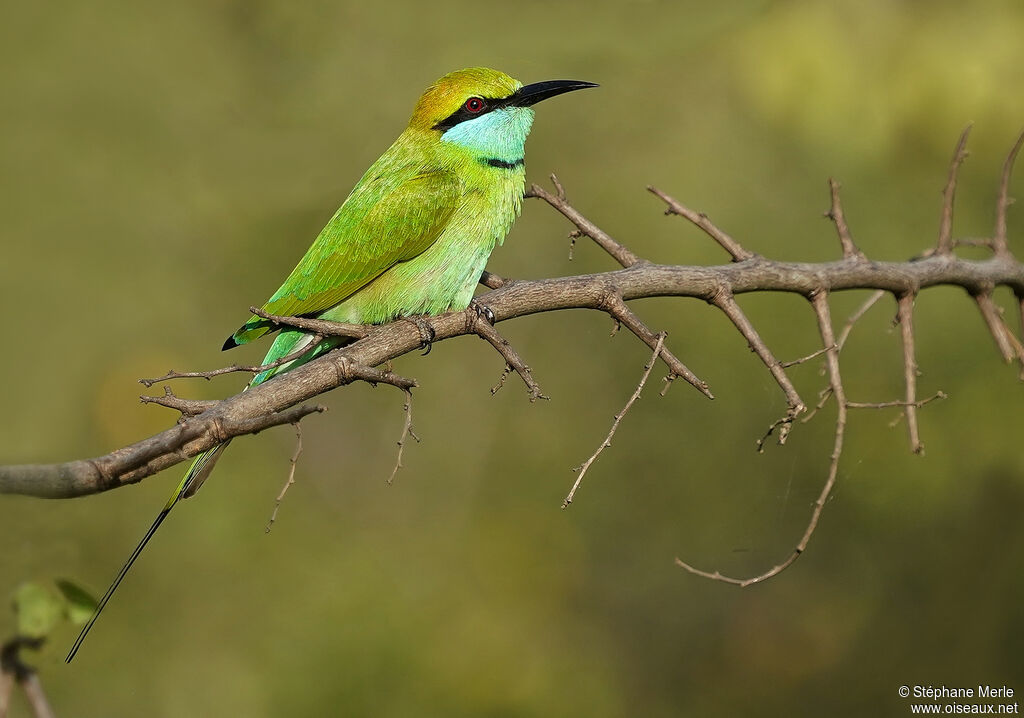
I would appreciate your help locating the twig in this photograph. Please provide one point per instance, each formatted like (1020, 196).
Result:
(585, 466)
(945, 244)
(618, 251)
(725, 301)
(406, 433)
(320, 327)
(835, 213)
(999, 244)
(905, 313)
(235, 368)
(730, 245)
(491, 280)
(187, 407)
(890, 404)
(485, 331)
(291, 476)
(804, 359)
(855, 317)
(616, 306)
(819, 300)
(1008, 344)
(501, 380)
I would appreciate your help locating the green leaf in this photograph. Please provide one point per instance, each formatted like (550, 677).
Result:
(80, 603)
(37, 608)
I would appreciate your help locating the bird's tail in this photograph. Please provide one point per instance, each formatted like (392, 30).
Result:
(288, 342)
(197, 473)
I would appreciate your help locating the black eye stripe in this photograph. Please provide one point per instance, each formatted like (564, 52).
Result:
(464, 113)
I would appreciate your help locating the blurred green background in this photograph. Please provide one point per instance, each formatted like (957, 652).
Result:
(162, 167)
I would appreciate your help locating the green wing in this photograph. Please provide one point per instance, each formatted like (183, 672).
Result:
(391, 216)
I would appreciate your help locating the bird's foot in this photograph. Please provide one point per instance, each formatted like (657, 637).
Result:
(482, 311)
(427, 333)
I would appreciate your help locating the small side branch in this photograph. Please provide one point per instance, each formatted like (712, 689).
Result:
(234, 368)
(187, 407)
(999, 243)
(585, 466)
(616, 306)
(294, 461)
(905, 315)
(835, 213)
(321, 327)
(730, 245)
(1009, 346)
(406, 433)
(796, 406)
(485, 331)
(619, 252)
(492, 280)
(856, 316)
(891, 404)
(945, 243)
(819, 300)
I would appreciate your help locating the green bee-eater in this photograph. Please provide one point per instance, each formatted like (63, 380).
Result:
(412, 237)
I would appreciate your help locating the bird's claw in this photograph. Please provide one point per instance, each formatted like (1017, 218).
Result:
(483, 311)
(427, 334)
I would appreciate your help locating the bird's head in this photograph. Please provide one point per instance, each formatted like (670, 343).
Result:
(485, 110)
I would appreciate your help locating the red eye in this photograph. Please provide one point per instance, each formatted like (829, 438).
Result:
(474, 105)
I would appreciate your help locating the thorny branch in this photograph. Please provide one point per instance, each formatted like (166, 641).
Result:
(585, 466)
(406, 433)
(293, 462)
(280, 400)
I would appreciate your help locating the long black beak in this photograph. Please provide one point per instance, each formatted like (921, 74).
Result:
(532, 94)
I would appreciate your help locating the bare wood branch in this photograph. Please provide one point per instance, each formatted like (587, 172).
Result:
(725, 301)
(835, 213)
(999, 243)
(280, 400)
(730, 245)
(293, 462)
(855, 317)
(187, 407)
(234, 368)
(889, 404)
(905, 314)
(406, 433)
(263, 406)
(1009, 346)
(819, 300)
(501, 380)
(485, 331)
(945, 243)
(491, 280)
(321, 327)
(620, 311)
(618, 251)
(585, 466)
(804, 359)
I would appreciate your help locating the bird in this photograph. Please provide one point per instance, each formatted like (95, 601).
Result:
(411, 239)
